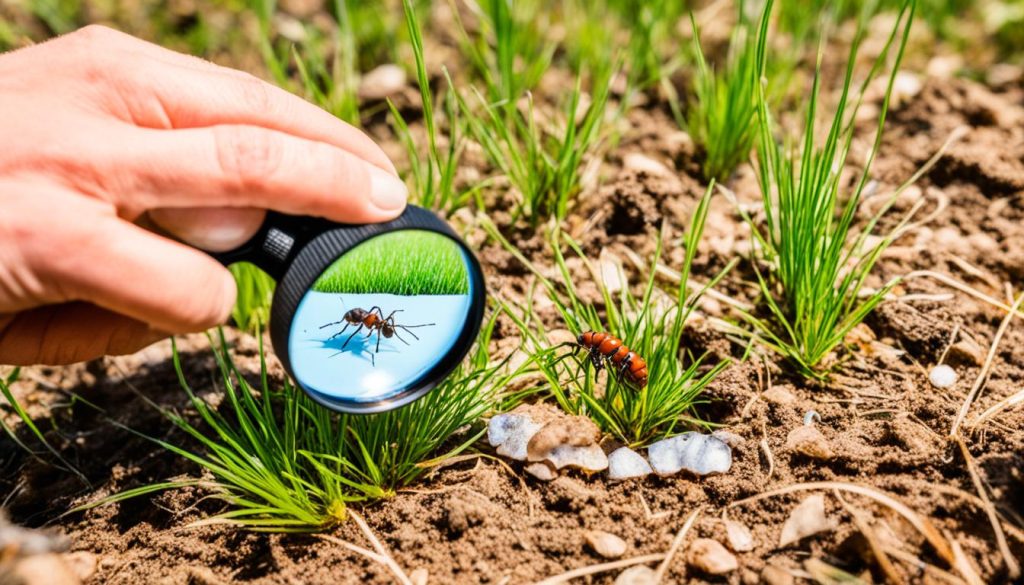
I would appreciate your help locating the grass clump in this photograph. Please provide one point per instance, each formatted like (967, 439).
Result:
(651, 324)
(408, 262)
(511, 50)
(721, 115)
(255, 294)
(284, 464)
(432, 169)
(543, 159)
(819, 263)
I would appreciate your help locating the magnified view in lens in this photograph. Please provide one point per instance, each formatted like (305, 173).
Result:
(381, 317)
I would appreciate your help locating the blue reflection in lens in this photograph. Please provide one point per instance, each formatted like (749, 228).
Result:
(352, 363)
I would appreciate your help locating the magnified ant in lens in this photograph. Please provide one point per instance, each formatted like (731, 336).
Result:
(381, 316)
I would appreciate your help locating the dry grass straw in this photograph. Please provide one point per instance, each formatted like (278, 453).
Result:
(379, 554)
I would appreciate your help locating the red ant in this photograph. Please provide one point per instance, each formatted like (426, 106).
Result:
(375, 321)
(604, 348)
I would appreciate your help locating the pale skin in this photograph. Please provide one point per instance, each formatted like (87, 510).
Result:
(104, 134)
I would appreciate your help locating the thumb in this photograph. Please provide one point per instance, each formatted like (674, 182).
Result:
(134, 272)
(215, 229)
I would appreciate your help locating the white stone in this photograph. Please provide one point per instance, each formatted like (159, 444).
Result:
(739, 536)
(710, 557)
(638, 575)
(541, 471)
(587, 457)
(699, 454)
(419, 576)
(381, 82)
(510, 433)
(806, 519)
(636, 161)
(625, 463)
(942, 376)
(605, 544)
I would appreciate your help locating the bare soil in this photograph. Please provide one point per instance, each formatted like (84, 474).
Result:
(480, 521)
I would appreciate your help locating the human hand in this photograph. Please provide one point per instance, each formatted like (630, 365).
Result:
(102, 130)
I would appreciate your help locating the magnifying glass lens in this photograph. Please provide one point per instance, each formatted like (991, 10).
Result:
(383, 317)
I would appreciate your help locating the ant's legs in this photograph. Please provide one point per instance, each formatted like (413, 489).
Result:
(338, 333)
(400, 337)
(344, 345)
(406, 327)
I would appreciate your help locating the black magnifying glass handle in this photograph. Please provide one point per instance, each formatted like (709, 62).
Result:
(278, 241)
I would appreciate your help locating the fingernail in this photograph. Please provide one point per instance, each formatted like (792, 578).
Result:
(387, 192)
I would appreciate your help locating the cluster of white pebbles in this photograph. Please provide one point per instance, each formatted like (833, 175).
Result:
(550, 441)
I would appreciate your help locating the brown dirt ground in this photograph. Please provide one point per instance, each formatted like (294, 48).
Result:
(477, 522)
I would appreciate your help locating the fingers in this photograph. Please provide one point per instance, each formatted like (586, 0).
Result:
(247, 166)
(215, 229)
(128, 270)
(69, 333)
(192, 93)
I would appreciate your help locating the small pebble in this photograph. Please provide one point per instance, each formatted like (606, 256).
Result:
(605, 544)
(775, 575)
(808, 440)
(541, 471)
(779, 395)
(710, 557)
(739, 536)
(419, 576)
(382, 82)
(942, 376)
(636, 161)
(806, 519)
(638, 575)
(697, 453)
(625, 463)
(510, 433)
(589, 458)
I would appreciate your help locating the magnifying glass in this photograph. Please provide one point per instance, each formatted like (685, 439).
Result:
(367, 318)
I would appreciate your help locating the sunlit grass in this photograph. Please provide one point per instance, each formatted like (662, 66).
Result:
(818, 262)
(432, 167)
(282, 463)
(720, 117)
(255, 293)
(543, 160)
(511, 49)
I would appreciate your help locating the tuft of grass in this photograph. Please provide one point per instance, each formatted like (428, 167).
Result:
(432, 169)
(818, 262)
(285, 464)
(651, 25)
(511, 50)
(407, 262)
(255, 294)
(543, 160)
(721, 116)
(33, 429)
(651, 324)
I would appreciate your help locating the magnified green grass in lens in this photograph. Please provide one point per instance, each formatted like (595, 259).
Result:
(818, 262)
(650, 324)
(285, 464)
(399, 263)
